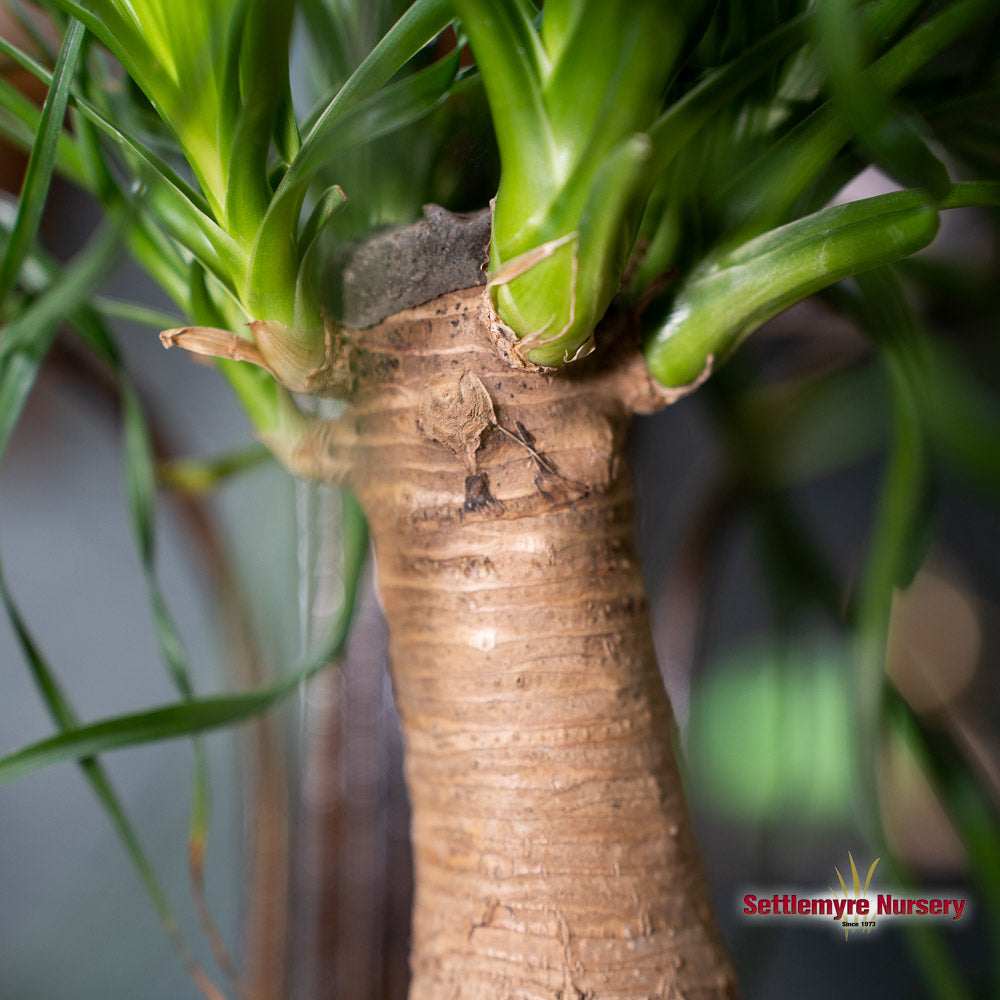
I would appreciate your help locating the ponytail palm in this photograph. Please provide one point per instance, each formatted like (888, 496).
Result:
(666, 186)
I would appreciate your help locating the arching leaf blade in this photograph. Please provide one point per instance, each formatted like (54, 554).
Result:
(200, 715)
(38, 175)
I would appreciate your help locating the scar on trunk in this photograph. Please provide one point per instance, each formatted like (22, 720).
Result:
(477, 493)
(455, 411)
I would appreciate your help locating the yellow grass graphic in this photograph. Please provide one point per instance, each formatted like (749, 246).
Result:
(858, 892)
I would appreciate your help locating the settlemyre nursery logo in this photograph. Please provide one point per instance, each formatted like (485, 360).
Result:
(858, 911)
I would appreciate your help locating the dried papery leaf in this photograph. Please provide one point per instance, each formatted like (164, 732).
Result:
(516, 266)
(525, 342)
(294, 357)
(504, 339)
(211, 342)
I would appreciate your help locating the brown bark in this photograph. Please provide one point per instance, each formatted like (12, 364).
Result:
(554, 856)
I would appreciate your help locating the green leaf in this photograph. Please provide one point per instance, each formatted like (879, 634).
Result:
(422, 22)
(174, 53)
(65, 718)
(169, 722)
(135, 312)
(306, 313)
(199, 715)
(969, 807)
(676, 126)
(24, 126)
(27, 339)
(513, 66)
(40, 165)
(557, 20)
(563, 294)
(393, 107)
(264, 71)
(274, 262)
(141, 492)
(175, 204)
(286, 130)
(972, 194)
(196, 477)
(887, 318)
(895, 139)
(49, 688)
(762, 194)
(732, 293)
(140, 477)
(179, 208)
(609, 80)
(571, 128)
(229, 79)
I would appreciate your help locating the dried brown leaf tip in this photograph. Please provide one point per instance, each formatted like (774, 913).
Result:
(295, 358)
(210, 342)
(455, 410)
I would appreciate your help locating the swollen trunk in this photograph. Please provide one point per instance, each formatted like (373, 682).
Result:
(553, 851)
